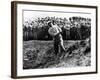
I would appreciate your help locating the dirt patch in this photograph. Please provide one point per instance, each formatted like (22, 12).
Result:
(39, 54)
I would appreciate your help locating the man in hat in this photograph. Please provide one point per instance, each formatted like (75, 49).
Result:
(55, 32)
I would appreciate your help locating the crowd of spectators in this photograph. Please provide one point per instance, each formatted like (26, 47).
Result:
(73, 28)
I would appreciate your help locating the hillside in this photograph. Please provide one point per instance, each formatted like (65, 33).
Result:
(39, 54)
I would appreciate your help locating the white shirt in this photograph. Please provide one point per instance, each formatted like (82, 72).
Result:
(54, 30)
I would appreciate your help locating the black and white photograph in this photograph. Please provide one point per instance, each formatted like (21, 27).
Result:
(56, 39)
(53, 39)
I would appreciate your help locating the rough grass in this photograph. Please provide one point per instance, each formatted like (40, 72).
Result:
(39, 54)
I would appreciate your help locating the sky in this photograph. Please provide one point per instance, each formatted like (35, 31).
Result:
(31, 14)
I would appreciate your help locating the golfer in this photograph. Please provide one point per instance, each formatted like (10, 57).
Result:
(55, 32)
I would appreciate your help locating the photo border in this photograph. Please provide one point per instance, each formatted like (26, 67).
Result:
(14, 37)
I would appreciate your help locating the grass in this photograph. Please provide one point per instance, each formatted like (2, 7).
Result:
(39, 54)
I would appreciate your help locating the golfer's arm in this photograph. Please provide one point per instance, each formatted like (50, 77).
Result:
(60, 30)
